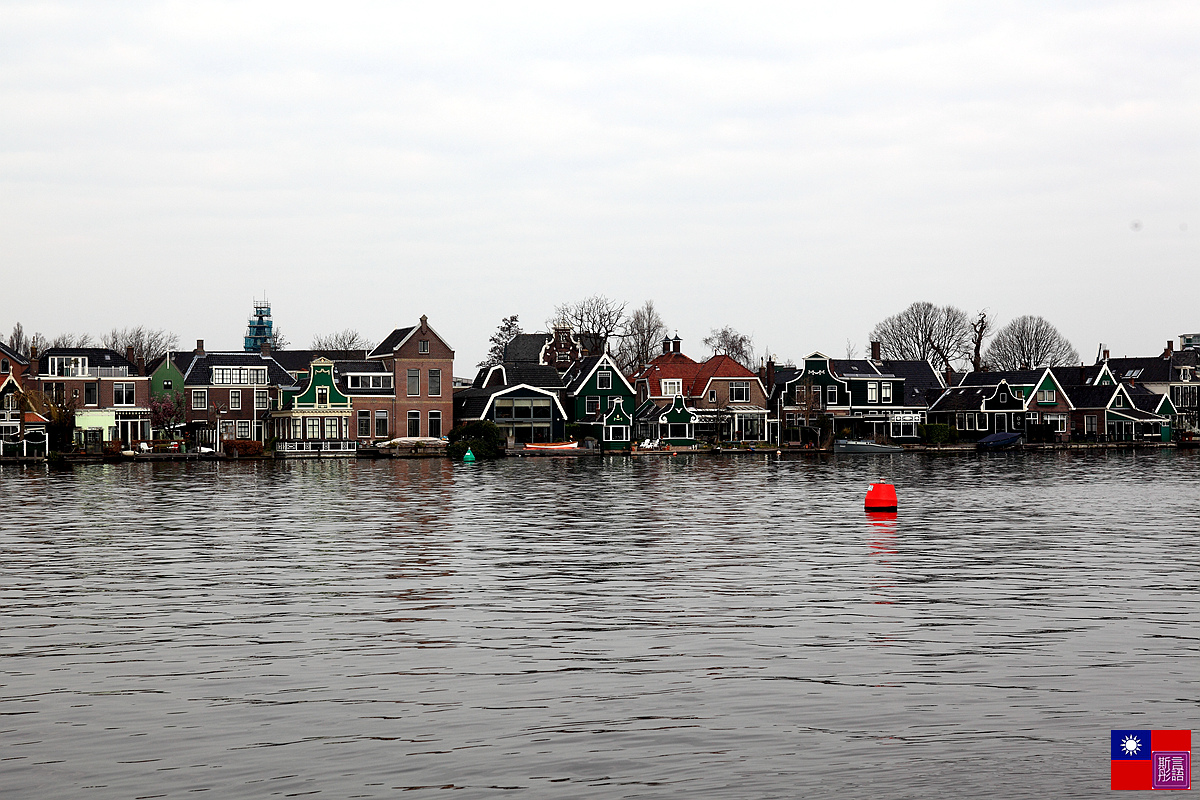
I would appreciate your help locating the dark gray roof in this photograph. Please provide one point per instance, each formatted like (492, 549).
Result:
(12, 355)
(96, 356)
(1015, 377)
(525, 347)
(919, 379)
(532, 374)
(1154, 369)
(347, 367)
(1077, 375)
(1090, 396)
(852, 368)
(1143, 398)
(297, 360)
(578, 373)
(469, 403)
(389, 345)
(200, 371)
(961, 398)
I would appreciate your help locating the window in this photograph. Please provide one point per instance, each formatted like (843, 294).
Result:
(322, 396)
(885, 391)
(960, 421)
(435, 383)
(1059, 421)
(331, 427)
(414, 382)
(1032, 418)
(296, 428)
(235, 399)
(262, 399)
(239, 376)
(981, 421)
(312, 427)
(354, 381)
(872, 392)
(591, 405)
(1089, 423)
(1046, 396)
(364, 424)
(414, 423)
(243, 429)
(604, 380)
(199, 399)
(91, 394)
(423, 346)
(671, 386)
(616, 433)
(381, 424)
(4, 368)
(123, 394)
(739, 392)
(712, 395)
(68, 366)
(435, 424)
(167, 385)
(1119, 401)
(800, 394)
(831, 395)
(561, 357)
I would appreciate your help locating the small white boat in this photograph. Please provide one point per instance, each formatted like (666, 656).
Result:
(555, 446)
(864, 446)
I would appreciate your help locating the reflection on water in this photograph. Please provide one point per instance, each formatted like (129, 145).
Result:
(688, 626)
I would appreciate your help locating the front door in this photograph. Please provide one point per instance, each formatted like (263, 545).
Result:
(1001, 423)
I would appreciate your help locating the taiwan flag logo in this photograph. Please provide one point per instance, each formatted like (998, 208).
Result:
(1146, 759)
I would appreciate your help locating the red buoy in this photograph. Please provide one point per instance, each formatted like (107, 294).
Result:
(881, 497)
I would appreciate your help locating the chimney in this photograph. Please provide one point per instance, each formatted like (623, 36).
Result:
(129, 355)
(33, 362)
(949, 375)
(875, 351)
(1170, 348)
(1106, 355)
(770, 374)
(675, 343)
(199, 347)
(141, 366)
(265, 348)
(666, 345)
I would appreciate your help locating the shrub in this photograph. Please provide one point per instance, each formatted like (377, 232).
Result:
(244, 447)
(937, 434)
(483, 438)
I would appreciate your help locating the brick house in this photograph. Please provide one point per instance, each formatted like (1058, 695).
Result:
(108, 392)
(422, 367)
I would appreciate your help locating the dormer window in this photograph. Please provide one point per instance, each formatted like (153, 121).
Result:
(671, 386)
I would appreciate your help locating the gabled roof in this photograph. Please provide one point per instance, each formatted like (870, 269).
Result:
(718, 367)
(919, 379)
(182, 359)
(1079, 375)
(668, 366)
(13, 355)
(526, 347)
(199, 373)
(1014, 377)
(389, 344)
(473, 403)
(962, 398)
(1145, 399)
(1092, 396)
(856, 368)
(581, 372)
(298, 360)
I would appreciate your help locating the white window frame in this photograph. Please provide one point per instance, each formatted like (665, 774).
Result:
(262, 399)
(604, 379)
(414, 416)
(202, 396)
(831, 395)
(591, 404)
(873, 392)
(434, 373)
(885, 392)
(381, 416)
(423, 346)
(243, 429)
(235, 399)
(413, 375)
(671, 386)
(739, 392)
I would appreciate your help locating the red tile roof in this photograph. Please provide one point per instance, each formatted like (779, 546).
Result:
(717, 367)
(668, 365)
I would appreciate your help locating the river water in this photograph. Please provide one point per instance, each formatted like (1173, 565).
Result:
(689, 626)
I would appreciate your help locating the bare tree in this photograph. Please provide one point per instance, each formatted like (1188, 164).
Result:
(348, 339)
(1029, 342)
(40, 342)
(851, 350)
(508, 328)
(728, 342)
(643, 334)
(595, 315)
(72, 340)
(18, 342)
(147, 343)
(278, 340)
(981, 329)
(925, 332)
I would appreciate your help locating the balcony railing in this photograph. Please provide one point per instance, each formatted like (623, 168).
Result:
(315, 445)
(91, 372)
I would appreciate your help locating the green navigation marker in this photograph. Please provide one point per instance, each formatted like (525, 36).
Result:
(469, 457)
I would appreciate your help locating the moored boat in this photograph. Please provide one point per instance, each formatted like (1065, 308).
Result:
(998, 441)
(864, 446)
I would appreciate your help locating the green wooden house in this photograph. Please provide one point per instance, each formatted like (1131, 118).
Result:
(594, 387)
(673, 425)
(314, 417)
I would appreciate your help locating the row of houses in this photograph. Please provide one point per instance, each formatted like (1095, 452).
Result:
(561, 385)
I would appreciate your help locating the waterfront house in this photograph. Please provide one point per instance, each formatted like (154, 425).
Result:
(421, 364)
(1173, 373)
(229, 395)
(522, 398)
(671, 423)
(1005, 401)
(314, 416)
(107, 392)
(594, 388)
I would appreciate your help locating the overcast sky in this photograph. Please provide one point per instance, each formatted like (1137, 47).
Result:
(796, 171)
